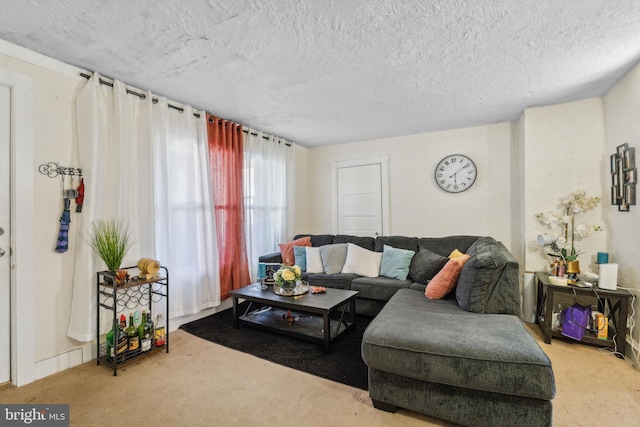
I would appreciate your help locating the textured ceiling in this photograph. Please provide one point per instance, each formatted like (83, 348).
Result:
(326, 72)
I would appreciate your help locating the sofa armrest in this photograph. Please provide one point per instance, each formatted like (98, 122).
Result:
(273, 258)
(488, 282)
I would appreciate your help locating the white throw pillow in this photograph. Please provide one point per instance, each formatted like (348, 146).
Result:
(362, 262)
(314, 260)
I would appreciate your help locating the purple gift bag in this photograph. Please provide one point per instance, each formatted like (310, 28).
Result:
(575, 320)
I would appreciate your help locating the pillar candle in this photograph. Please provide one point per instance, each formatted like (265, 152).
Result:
(262, 270)
(603, 258)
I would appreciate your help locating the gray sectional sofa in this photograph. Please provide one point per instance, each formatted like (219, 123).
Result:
(466, 358)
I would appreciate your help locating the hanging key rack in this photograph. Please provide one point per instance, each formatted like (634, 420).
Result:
(52, 170)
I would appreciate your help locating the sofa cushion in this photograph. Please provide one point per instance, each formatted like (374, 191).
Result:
(446, 279)
(426, 264)
(342, 281)
(364, 242)
(401, 242)
(318, 240)
(378, 288)
(445, 245)
(333, 257)
(362, 262)
(395, 262)
(437, 341)
(287, 249)
(480, 274)
(314, 260)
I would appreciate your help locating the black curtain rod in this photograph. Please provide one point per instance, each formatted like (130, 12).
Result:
(138, 94)
(155, 101)
(263, 136)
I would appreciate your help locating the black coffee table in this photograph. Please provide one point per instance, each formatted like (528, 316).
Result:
(315, 317)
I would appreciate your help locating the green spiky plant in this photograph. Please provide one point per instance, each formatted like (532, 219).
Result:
(111, 240)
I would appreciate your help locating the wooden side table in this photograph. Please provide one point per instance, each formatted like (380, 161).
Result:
(614, 304)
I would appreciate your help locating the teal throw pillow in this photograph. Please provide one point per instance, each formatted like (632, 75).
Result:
(395, 262)
(300, 255)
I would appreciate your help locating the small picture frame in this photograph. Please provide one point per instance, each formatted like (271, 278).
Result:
(613, 159)
(614, 195)
(271, 269)
(620, 149)
(631, 176)
(630, 193)
(629, 158)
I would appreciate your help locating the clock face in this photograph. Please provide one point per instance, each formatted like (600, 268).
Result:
(456, 173)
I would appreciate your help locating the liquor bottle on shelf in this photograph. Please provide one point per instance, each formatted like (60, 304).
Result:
(109, 337)
(122, 343)
(144, 333)
(132, 335)
(152, 327)
(159, 331)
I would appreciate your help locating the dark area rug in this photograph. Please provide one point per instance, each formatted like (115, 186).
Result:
(343, 365)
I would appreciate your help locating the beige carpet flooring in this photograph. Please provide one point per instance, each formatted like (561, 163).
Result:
(203, 384)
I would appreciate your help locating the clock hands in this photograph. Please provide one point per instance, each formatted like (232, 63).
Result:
(456, 172)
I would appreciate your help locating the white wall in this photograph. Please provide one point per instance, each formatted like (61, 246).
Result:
(54, 85)
(622, 118)
(418, 206)
(563, 151)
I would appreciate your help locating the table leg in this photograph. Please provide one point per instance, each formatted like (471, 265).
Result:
(327, 332)
(236, 315)
(621, 338)
(548, 317)
(352, 308)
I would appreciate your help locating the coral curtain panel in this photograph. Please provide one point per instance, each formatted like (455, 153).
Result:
(226, 161)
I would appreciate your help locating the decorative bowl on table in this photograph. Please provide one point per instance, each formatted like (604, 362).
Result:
(300, 287)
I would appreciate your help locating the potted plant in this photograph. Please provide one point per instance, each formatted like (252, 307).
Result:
(573, 203)
(111, 240)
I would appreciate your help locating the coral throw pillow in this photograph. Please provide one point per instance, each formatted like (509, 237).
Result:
(288, 257)
(445, 281)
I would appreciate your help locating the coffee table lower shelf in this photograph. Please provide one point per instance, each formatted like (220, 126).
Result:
(304, 326)
(322, 317)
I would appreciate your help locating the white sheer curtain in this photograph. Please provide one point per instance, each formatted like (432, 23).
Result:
(120, 138)
(114, 148)
(269, 178)
(185, 224)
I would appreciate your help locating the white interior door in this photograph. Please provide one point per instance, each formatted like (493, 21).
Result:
(5, 214)
(360, 200)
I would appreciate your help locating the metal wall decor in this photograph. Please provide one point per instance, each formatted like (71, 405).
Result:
(624, 177)
(52, 169)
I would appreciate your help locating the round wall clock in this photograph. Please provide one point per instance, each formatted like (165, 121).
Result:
(456, 173)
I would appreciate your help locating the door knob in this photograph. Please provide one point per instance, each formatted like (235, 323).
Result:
(1, 231)
(1, 252)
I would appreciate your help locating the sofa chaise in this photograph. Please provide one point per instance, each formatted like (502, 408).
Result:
(466, 357)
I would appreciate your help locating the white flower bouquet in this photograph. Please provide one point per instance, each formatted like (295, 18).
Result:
(571, 204)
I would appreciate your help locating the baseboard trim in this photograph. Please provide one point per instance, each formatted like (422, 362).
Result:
(64, 361)
(633, 349)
